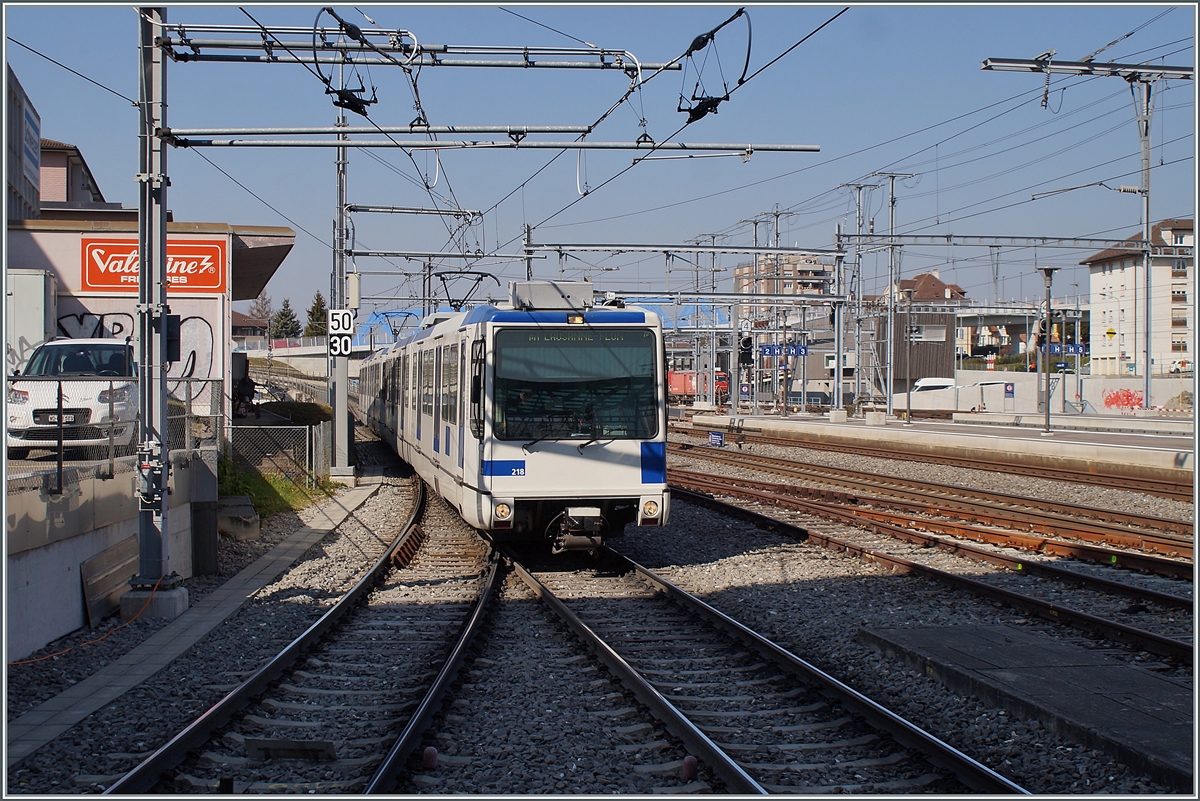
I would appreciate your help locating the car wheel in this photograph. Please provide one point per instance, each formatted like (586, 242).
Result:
(18, 453)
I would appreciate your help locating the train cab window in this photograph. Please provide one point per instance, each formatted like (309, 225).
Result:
(575, 384)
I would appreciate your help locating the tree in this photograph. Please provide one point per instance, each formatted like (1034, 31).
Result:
(318, 317)
(284, 324)
(261, 309)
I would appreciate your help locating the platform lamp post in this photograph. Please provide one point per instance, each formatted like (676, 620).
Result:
(1048, 275)
(908, 332)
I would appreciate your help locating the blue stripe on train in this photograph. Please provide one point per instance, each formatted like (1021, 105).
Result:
(654, 463)
(503, 467)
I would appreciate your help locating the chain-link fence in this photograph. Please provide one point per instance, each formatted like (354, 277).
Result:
(64, 430)
(297, 453)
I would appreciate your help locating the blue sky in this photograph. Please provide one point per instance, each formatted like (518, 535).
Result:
(882, 88)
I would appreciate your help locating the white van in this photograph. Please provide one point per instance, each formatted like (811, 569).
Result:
(927, 384)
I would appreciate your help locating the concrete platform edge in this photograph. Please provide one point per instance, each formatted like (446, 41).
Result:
(968, 443)
(957, 681)
(53, 717)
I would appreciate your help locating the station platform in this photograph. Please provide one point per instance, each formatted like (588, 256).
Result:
(1112, 452)
(59, 714)
(1138, 717)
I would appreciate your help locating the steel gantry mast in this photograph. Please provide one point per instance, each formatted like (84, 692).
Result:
(1141, 79)
(893, 279)
(156, 325)
(348, 44)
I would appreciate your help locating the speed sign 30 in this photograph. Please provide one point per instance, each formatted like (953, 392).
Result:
(341, 331)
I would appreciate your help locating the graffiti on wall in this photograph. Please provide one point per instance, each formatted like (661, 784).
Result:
(196, 340)
(1124, 400)
(17, 353)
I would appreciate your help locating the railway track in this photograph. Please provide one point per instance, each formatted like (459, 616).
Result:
(1009, 583)
(336, 710)
(764, 720)
(923, 517)
(1110, 527)
(1163, 487)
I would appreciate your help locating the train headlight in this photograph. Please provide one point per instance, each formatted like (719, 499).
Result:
(650, 509)
(503, 511)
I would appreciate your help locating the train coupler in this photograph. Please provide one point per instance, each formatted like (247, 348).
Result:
(579, 528)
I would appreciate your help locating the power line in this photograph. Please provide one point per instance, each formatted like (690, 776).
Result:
(260, 200)
(132, 102)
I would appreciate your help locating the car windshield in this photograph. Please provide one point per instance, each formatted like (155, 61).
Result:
(568, 383)
(107, 359)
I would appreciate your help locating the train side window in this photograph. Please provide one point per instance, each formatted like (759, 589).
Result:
(427, 381)
(450, 384)
(402, 395)
(477, 363)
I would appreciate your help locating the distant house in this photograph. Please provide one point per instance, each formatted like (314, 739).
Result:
(244, 326)
(928, 350)
(930, 288)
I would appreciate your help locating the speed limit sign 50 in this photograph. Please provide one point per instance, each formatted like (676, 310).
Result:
(341, 331)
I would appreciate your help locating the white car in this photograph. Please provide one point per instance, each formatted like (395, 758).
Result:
(1180, 366)
(99, 397)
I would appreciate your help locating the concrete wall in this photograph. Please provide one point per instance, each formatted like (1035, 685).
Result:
(48, 536)
(1099, 391)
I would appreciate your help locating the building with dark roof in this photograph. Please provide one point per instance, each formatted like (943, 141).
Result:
(1118, 305)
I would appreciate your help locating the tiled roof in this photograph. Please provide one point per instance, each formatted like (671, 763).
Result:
(240, 320)
(1155, 236)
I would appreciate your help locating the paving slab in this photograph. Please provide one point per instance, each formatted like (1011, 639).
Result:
(1143, 719)
(56, 715)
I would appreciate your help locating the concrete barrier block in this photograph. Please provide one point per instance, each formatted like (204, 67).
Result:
(236, 518)
(838, 415)
(876, 418)
(164, 605)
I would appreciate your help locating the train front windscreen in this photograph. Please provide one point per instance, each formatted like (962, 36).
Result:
(575, 383)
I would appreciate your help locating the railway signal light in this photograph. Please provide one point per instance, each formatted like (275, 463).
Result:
(746, 351)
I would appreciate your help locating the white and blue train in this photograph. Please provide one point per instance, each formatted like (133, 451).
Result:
(540, 419)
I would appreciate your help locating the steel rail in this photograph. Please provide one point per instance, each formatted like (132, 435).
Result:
(968, 770)
(675, 721)
(1110, 557)
(1145, 640)
(143, 777)
(1167, 488)
(1171, 535)
(384, 780)
(900, 526)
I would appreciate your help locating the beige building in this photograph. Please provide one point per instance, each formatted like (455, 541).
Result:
(1118, 306)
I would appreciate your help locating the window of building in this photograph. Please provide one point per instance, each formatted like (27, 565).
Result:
(1179, 237)
(1179, 269)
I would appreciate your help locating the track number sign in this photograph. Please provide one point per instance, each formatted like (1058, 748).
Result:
(341, 331)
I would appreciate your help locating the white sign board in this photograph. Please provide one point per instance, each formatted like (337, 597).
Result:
(341, 331)
(31, 152)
